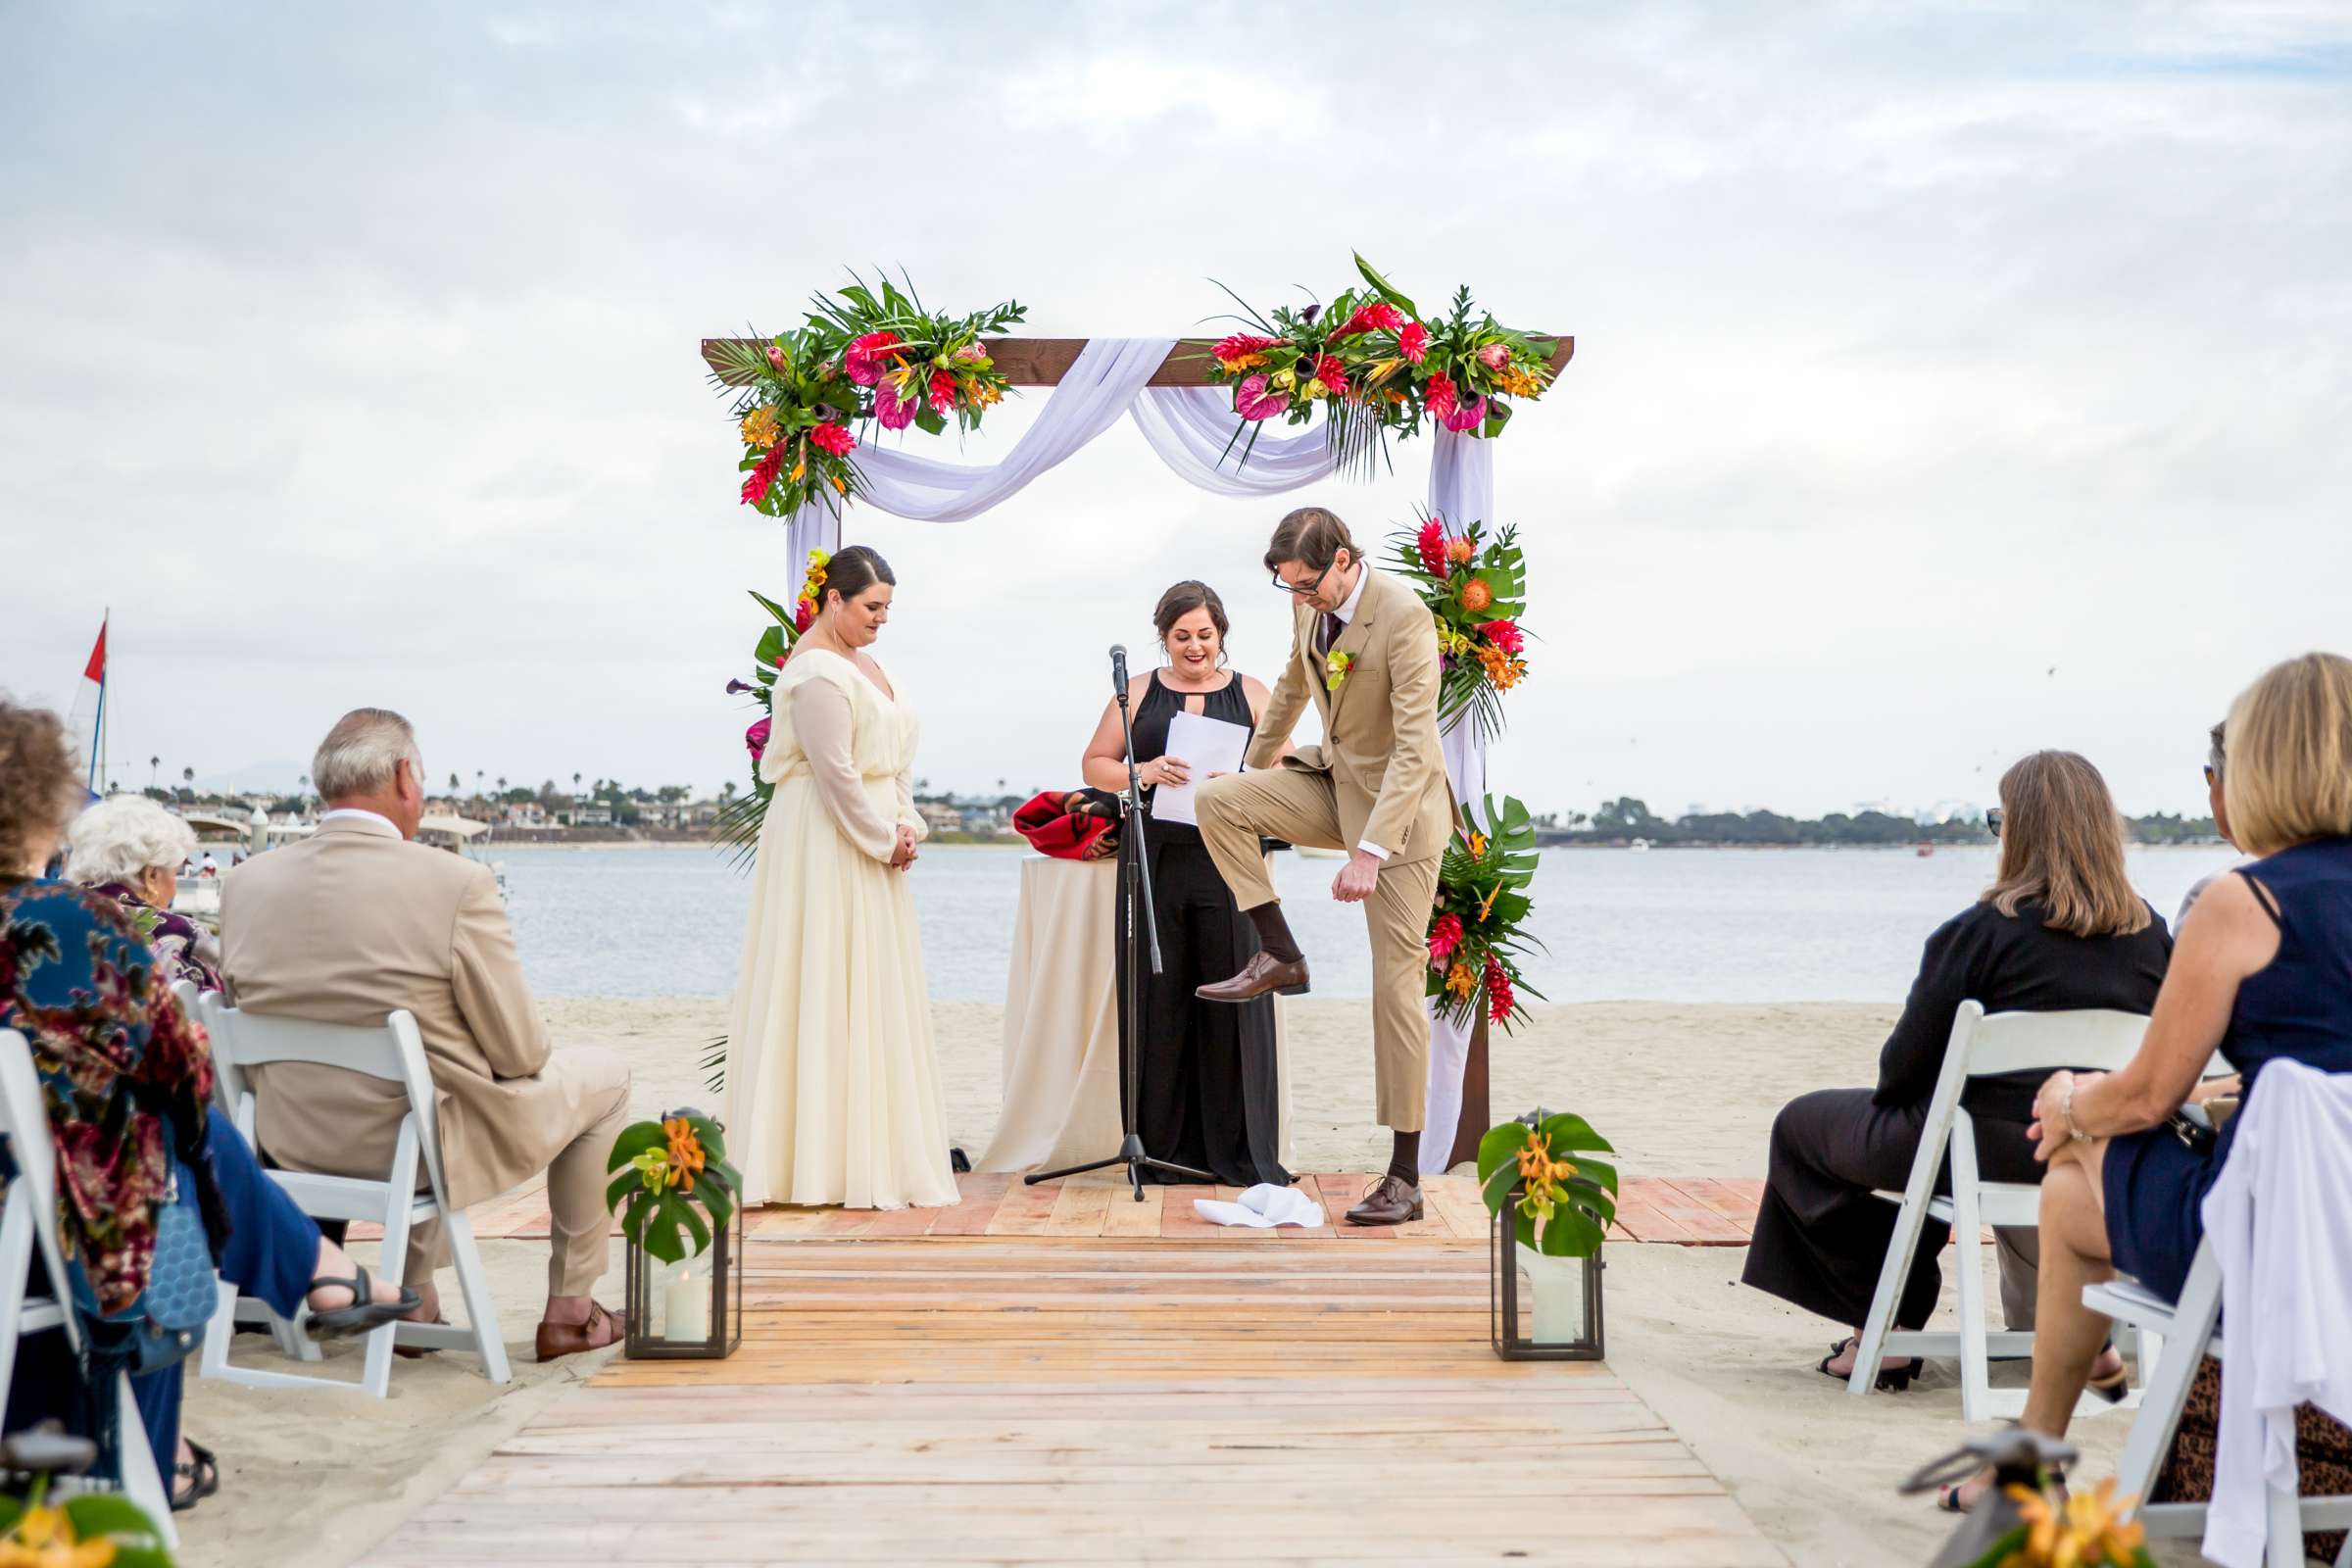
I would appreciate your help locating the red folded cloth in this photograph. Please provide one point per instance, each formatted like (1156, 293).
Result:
(1052, 827)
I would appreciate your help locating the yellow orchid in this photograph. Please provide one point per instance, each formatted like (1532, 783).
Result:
(760, 428)
(1335, 666)
(1314, 388)
(653, 1168)
(44, 1538)
(1460, 981)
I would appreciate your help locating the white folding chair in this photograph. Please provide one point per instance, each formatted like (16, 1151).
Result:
(394, 1052)
(27, 1220)
(1981, 1044)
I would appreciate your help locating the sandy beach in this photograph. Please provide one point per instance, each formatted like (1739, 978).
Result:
(1683, 1090)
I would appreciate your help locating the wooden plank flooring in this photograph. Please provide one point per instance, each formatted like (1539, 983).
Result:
(1043, 1395)
(1687, 1210)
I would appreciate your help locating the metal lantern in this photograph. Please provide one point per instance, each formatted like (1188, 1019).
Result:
(691, 1310)
(1542, 1308)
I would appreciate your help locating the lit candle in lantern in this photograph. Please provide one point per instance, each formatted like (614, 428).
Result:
(686, 1308)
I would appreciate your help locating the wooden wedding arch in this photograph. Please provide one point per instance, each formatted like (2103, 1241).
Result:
(1044, 362)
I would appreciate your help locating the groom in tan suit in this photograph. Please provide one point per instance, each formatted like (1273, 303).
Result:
(357, 922)
(1365, 649)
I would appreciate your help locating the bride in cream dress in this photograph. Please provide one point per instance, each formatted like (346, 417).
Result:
(833, 1093)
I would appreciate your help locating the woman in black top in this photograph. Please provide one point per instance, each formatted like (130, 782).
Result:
(1209, 1095)
(2060, 928)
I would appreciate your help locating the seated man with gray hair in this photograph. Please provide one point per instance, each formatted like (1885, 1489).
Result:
(358, 921)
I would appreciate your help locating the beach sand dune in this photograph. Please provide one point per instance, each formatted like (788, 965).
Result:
(1681, 1090)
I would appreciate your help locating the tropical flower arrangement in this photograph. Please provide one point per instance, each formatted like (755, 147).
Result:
(865, 355)
(1476, 588)
(89, 1530)
(738, 819)
(1478, 927)
(2056, 1529)
(1565, 1205)
(669, 1174)
(1375, 366)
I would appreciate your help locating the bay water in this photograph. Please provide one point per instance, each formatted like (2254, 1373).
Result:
(1666, 925)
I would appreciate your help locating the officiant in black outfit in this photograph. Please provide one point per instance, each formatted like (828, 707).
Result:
(1209, 1093)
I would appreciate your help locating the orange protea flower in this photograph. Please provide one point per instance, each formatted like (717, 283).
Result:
(1477, 595)
(685, 1151)
(1459, 551)
(1460, 981)
(760, 428)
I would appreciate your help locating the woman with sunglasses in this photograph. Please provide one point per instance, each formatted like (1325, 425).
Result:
(2059, 928)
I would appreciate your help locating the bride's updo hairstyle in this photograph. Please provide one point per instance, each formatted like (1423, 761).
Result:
(1181, 600)
(851, 572)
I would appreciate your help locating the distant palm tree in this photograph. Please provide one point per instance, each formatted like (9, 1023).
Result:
(501, 783)
(187, 775)
(454, 785)
(153, 762)
(477, 781)
(575, 783)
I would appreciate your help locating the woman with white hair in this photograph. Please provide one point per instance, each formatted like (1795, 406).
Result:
(130, 850)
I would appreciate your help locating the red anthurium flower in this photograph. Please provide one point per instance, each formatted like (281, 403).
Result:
(1465, 416)
(895, 412)
(1253, 401)
(1432, 546)
(1413, 342)
(1506, 635)
(832, 438)
(864, 358)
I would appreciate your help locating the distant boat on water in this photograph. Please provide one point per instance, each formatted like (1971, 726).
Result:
(1638, 844)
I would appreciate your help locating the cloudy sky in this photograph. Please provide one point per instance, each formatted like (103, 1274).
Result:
(1949, 382)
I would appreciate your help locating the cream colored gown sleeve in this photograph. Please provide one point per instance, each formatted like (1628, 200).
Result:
(821, 718)
(909, 816)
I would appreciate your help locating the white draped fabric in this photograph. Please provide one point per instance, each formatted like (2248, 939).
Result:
(1191, 428)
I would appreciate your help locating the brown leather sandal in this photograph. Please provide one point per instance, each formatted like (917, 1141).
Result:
(602, 1328)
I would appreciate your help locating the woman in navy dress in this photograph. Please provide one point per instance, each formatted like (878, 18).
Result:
(2263, 970)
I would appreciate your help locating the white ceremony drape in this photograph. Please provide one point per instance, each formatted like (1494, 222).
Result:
(1190, 428)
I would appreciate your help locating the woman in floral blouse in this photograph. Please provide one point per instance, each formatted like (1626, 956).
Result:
(130, 849)
(128, 1082)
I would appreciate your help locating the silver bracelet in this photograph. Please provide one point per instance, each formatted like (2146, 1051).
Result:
(2066, 1111)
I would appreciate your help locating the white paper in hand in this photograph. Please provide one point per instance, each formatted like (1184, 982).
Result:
(1210, 746)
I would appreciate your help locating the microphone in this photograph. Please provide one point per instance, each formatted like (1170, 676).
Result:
(1118, 668)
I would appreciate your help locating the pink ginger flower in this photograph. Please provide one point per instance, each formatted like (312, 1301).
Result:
(1331, 373)
(1444, 936)
(1378, 315)
(1506, 635)
(1239, 346)
(1432, 546)
(832, 438)
(1252, 400)
(756, 485)
(804, 614)
(1413, 342)
(943, 392)
(1442, 398)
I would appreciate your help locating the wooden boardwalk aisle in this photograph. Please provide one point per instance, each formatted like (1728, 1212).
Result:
(1048, 1393)
(1685, 1210)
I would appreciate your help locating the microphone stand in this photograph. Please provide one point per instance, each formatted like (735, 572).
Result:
(1142, 911)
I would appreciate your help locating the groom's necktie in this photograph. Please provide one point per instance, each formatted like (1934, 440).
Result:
(1327, 633)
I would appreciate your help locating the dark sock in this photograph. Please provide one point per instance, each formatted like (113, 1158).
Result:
(1405, 1161)
(1274, 932)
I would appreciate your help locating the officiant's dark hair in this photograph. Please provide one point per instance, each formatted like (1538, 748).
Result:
(1313, 537)
(851, 572)
(1181, 600)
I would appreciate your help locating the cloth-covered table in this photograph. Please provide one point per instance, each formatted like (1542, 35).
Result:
(1061, 1024)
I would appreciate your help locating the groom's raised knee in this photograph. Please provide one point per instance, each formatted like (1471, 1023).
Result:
(1216, 802)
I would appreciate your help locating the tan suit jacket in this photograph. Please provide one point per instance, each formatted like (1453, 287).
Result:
(1380, 727)
(355, 923)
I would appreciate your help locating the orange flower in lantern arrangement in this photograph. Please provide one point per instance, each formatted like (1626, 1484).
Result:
(1550, 1214)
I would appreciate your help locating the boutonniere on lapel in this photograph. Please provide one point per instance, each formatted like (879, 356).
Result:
(1335, 666)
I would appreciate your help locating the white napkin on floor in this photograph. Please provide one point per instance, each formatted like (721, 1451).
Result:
(1262, 1208)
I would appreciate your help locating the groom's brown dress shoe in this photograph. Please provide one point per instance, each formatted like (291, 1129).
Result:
(1261, 974)
(1390, 1202)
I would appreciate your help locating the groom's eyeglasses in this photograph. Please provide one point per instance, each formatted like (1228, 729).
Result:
(1305, 590)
